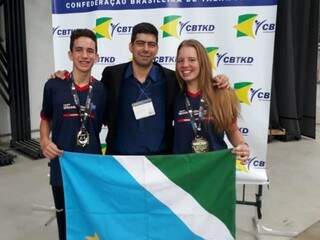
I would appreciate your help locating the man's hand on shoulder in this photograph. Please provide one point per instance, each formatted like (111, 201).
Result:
(221, 81)
(60, 74)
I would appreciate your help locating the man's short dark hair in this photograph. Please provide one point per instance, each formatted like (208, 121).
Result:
(143, 27)
(82, 32)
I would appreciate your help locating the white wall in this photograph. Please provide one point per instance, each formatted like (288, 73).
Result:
(40, 60)
(39, 52)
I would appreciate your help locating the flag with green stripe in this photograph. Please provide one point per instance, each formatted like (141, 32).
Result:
(189, 196)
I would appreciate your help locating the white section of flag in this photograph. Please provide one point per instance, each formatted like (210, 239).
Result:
(181, 203)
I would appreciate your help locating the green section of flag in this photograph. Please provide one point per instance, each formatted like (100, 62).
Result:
(208, 177)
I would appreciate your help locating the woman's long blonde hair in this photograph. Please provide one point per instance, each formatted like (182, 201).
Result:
(223, 106)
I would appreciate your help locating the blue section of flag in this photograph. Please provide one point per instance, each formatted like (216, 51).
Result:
(102, 198)
(78, 6)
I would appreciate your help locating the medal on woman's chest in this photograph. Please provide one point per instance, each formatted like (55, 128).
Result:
(199, 143)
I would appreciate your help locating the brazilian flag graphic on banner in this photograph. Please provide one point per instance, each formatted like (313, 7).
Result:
(188, 196)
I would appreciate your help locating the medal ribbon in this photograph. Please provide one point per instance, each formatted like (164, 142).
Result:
(195, 127)
(87, 110)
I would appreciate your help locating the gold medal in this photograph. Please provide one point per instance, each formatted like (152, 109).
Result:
(199, 145)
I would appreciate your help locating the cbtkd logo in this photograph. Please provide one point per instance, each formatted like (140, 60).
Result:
(256, 163)
(106, 60)
(120, 29)
(105, 28)
(247, 94)
(165, 60)
(61, 32)
(173, 27)
(259, 94)
(227, 59)
(264, 26)
(188, 27)
(249, 26)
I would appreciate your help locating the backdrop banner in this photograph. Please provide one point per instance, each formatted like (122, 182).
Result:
(238, 36)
